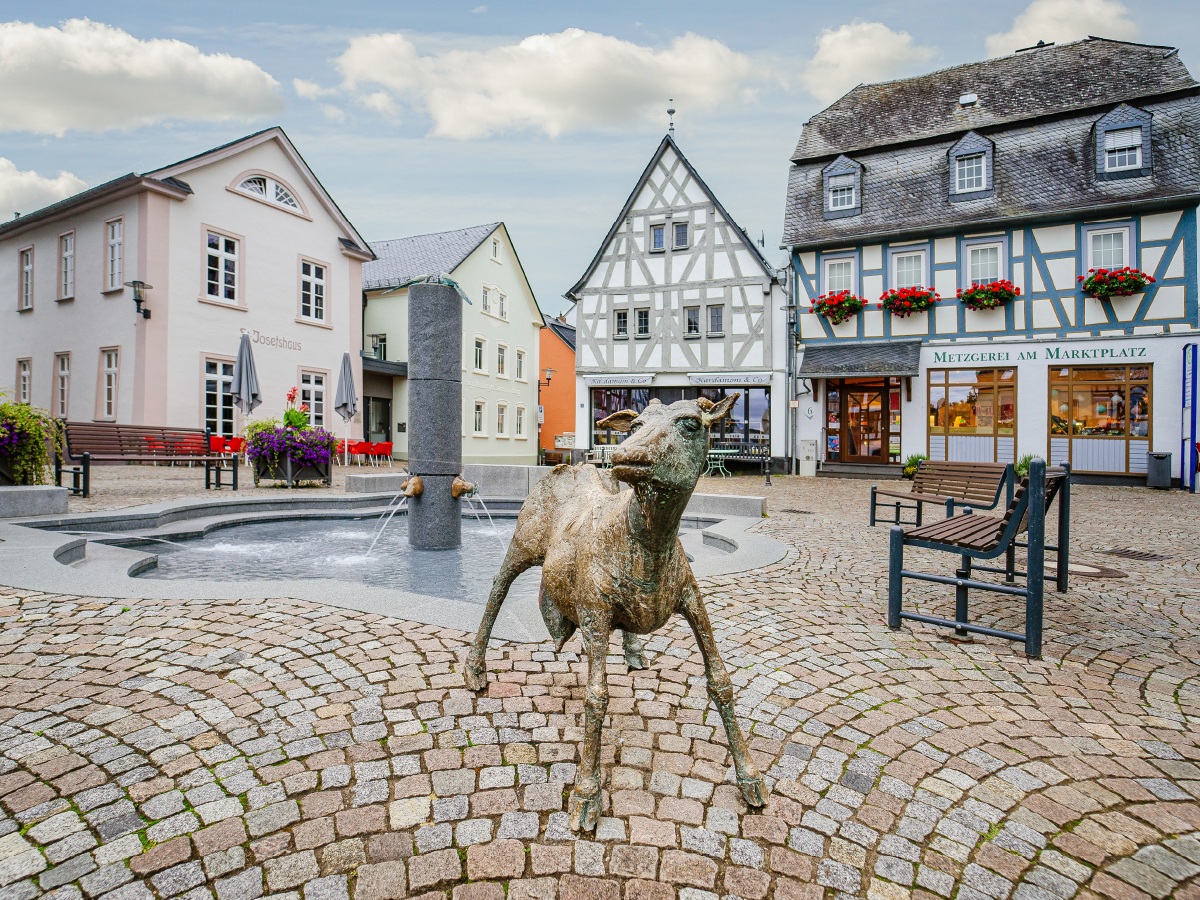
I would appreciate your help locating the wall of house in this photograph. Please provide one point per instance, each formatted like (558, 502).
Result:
(93, 319)
(273, 241)
(558, 398)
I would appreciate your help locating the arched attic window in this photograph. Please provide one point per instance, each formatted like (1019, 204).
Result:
(267, 188)
(971, 168)
(1123, 144)
(841, 185)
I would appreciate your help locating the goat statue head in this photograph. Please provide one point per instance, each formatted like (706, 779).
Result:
(667, 445)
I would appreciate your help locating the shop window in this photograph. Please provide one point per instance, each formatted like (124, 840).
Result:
(972, 414)
(218, 397)
(1100, 417)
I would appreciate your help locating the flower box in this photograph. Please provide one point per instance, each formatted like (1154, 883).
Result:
(906, 301)
(1104, 284)
(988, 296)
(291, 454)
(839, 307)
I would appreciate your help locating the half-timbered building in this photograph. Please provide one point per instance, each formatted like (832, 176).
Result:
(1036, 169)
(679, 303)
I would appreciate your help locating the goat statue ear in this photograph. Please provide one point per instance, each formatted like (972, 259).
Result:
(619, 421)
(722, 407)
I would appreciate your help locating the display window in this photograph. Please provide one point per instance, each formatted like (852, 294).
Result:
(748, 420)
(1100, 417)
(972, 415)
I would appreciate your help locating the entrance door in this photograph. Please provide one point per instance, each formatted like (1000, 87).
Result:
(866, 424)
(379, 420)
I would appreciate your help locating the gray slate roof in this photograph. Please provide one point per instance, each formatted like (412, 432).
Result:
(403, 259)
(562, 329)
(861, 359)
(1053, 80)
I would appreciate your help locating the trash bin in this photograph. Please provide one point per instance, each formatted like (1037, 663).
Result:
(1158, 470)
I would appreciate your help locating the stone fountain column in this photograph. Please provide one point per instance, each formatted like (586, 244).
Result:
(435, 319)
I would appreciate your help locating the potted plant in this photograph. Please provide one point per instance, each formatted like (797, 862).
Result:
(988, 296)
(26, 432)
(1106, 283)
(906, 301)
(292, 451)
(837, 307)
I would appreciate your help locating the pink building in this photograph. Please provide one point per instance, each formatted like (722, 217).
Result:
(242, 237)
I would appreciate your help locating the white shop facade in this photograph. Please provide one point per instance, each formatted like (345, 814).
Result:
(1100, 404)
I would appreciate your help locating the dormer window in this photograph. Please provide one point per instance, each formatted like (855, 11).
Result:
(266, 188)
(971, 168)
(842, 188)
(1123, 144)
(1123, 149)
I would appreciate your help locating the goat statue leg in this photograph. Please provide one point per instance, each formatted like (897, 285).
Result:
(632, 645)
(516, 561)
(583, 808)
(720, 691)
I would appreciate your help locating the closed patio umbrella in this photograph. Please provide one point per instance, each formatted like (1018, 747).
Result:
(246, 395)
(346, 402)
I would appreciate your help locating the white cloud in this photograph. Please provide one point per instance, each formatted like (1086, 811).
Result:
(333, 113)
(1064, 20)
(479, 10)
(553, 82)
(24, 192)
(858, 53)
(310, 90)
(382, 103)
(89, 76)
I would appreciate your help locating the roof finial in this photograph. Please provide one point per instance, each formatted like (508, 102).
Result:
(671, 113)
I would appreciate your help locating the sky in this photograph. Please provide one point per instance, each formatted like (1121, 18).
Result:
(423, 117)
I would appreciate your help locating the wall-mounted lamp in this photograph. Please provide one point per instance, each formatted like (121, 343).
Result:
(139, 296)
(549, 373)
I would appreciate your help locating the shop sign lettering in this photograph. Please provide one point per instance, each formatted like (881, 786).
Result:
(1048, 353)
(282, 343)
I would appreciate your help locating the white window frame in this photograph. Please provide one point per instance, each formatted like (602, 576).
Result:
(110, 369)
(480, 358)
(486, 302)
(274, 193)
(114, 254)
(314, 389)
(24, 380)
(1110, 137)
(480, 420)
(660, 227)
(826, 261)
(496, 249)
(25, 278)
(519, 367)
(502, 360)
(836, 184)
(62, 384)
(969, 280)
(501, 420)
(223, 257)
(966, 245)
(1126, 233)
(637, 319)
(66, 266)
(519, 423)
(502, 305)
(959, 161)
(687, 321)
(896, 253)
(318, 289)
(719, 309)
(676, 244)
(617, 332)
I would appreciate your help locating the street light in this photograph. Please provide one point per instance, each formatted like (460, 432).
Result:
(139, 296)
(549, 374)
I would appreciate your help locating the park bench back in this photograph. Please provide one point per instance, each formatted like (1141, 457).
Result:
(109, 441)
(966, 482)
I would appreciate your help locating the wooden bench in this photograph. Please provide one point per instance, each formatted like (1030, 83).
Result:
(90, 442)
(987, 537)
(974, 484)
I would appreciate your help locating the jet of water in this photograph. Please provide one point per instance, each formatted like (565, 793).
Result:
(396, 504)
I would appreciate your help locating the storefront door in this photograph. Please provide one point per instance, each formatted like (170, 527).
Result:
(863, 421)
(379, 420)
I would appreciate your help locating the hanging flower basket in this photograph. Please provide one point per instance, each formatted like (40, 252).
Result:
(988, 296)
(1106, 283)
(839, 307)
(906, 301)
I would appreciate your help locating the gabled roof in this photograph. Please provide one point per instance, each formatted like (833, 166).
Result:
(166, 180)
(403, 259)
(359, 245)
(563, 330)
(1053, 80)
(667, 141)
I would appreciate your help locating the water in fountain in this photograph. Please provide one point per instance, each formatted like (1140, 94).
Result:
(401, 502)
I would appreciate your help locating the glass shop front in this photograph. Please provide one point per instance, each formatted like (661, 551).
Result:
(748, 421)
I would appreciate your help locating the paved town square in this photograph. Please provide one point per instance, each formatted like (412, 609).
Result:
(280, 748)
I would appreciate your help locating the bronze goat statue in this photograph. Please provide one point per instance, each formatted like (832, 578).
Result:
(612, 559)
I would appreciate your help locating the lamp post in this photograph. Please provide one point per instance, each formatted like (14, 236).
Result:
(139, 296)
(549, 373)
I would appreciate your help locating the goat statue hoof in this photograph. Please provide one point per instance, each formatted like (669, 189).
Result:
(475, 675)
(583, 811)
(754, 792)
(635, 659)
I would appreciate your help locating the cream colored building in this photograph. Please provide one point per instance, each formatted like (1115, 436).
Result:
(242, 237)
(501, 321)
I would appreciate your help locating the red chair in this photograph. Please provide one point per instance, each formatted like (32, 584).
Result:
(384, 451)
(216, 444)
(361, 449)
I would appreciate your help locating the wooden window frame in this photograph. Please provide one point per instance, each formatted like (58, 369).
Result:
(996, 382)
(1148, 381)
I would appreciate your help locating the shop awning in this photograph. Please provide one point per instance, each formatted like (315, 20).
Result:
(861, 359)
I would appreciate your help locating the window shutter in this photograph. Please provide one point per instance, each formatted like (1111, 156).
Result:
(1121, 138)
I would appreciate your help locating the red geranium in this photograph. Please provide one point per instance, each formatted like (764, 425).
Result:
(988, 296)
(906, 301)
(837, 307)
(1105, 283)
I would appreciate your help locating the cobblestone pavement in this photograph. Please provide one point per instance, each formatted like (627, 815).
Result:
(233, 750)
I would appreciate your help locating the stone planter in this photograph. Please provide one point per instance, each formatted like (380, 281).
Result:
(292, 472)
(7, 477)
